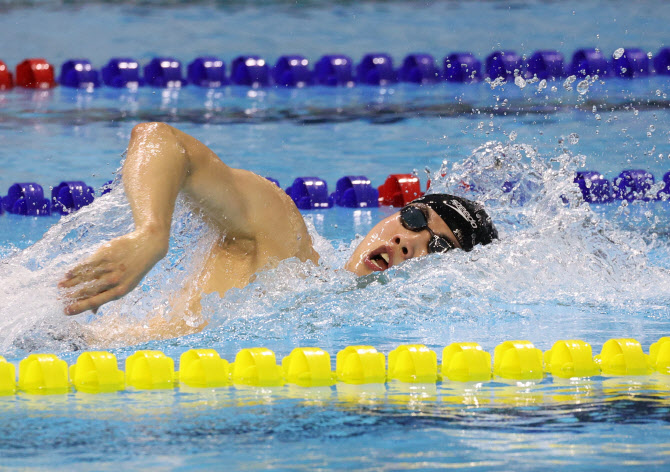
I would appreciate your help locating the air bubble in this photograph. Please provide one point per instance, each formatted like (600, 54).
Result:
(519, 81)
(512, 136)
(594, 109)
(573, 138)
(598, 116)
(618, 53)
(554, 89)
(542, 85)
(567, 85)
(652, 128)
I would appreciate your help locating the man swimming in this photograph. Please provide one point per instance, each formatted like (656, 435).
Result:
(259, 225)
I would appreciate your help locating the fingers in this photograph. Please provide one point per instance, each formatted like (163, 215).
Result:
(92, 303)
(91, 295)
(92, 288)
(83, 273)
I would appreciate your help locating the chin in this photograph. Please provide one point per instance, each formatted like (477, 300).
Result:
(356, 265)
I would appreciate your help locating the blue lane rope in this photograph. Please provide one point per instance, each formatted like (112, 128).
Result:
(311, 193)
(337, 69)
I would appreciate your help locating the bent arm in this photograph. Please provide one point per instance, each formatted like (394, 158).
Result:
(153, 174)
(162, 162)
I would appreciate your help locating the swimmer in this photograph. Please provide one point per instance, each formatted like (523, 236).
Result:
(258, 222)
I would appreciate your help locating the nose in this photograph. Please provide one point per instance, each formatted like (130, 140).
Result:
(407, 246)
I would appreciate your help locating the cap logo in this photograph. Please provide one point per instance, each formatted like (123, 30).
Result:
(459, 235)
(461, 210)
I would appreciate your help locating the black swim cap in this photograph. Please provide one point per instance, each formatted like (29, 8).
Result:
(467, 219)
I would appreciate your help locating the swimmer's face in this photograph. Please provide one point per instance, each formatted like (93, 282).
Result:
(389, 243)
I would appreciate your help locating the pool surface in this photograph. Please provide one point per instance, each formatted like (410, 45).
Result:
(562, 269)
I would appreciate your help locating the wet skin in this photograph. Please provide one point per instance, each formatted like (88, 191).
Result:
(258, 224)
(389, 243)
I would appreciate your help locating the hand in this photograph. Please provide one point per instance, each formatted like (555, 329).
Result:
(112, 271)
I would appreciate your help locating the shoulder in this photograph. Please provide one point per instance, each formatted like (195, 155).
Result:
(277, 222)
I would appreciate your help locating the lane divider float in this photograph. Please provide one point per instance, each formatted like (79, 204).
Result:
(98, 372)
(336, 70)
(311, 193)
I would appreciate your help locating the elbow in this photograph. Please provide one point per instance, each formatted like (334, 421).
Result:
(149, 129)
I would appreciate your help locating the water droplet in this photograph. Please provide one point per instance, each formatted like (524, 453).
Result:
(636, 113)
(594, 109)
(567, 85)
(554, 89)
(658, 93)
(573, 138)
(512, 136)
(519, 81)
(650, 55)
(598, 117)
(583, 87)
(652, 128)
(649, 134)
(618, 53)
(542, 85)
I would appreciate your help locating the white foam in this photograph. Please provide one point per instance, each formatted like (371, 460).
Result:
(560, 269)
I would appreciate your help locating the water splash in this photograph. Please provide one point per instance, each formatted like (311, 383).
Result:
(31, 315)
(567, 84)
(560, 270)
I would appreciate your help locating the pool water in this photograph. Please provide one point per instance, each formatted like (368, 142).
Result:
(562, 269)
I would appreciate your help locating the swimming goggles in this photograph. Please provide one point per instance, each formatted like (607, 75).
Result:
(415, 218)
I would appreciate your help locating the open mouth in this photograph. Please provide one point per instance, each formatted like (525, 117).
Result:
(379, 259)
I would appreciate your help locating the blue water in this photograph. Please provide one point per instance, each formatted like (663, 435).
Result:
(561, 270)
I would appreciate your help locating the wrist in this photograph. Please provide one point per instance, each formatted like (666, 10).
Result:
(158, 235)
